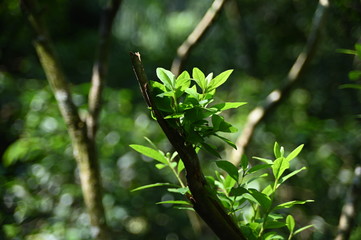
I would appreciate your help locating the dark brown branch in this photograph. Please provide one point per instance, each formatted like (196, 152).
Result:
(83, 148)
(199, 31)
(258, 114)
(100, 66)
(349, 210)
(210, 210)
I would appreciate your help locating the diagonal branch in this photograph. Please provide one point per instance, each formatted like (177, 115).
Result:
(206, 205)
(258, 114)
(100, 66)
(194, 38)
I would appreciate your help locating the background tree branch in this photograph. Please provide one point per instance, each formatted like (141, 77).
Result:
(350, 208)
(258, 114)
(100, 66)
(197, 34)
(209, 209)
(83, 142)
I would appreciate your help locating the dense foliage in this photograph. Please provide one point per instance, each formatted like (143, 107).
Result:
(39, 182)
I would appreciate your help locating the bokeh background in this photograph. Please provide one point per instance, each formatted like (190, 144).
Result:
(39, 184)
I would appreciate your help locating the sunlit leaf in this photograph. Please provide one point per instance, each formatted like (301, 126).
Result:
(228, 105)
(219, 80)
(276, 150)
(244, 162)
(150, 152)
(291, 204)
(153, 185)
(290, 223)
(180, 166)
(174, 202)
(199, 78)
(302, 229)
(294, 153)
(265, 160)
(183, 81)
(283, 179)
(279, 166)
(167, 77)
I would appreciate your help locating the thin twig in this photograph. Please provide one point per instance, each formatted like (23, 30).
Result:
(100, 66)
(258, 114)
(349, 210)
(194, 38)
(206, 205)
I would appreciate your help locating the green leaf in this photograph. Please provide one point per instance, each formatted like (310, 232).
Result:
(180, 166)
(354, 86)
(276, 150)
(290, 223)
(228, 105)
(268, 161)
(219, 80)
(167, 77)
(238, 191)
(244, 162)
(264, 200)
(291, 204)
(354, 75)
(283, 179)
(150, 152)
(294, 153)
(183, 81)
(302, 229)
(174, 202)
(228, 168)
(182, 191)
(259, 167)
(160, 166)
(229, 142)
(199, 78)
(152, 186)
(274, 224)
(279, 166)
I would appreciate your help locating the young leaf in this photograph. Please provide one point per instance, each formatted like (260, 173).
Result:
(199, 78)
(276, 150)
(182, 191)
(283, 179)
(174, 202)
(302, 229)
(268, 161)
(183, 80)
(152, 186)
(229, 168)
(219, 80)
(180, 166)
(264, 200)
(290, 223)
(279, 166)
(244, 162)
(294, 153)
(259, 167)
(291, 204)
(167, 77)
(150, 152)
(228, 105)
(160, 166)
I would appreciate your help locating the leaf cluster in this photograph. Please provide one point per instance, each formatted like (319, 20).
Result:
(185, 102)
(237, 194)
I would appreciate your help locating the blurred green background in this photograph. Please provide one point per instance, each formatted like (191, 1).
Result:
(39, 183)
